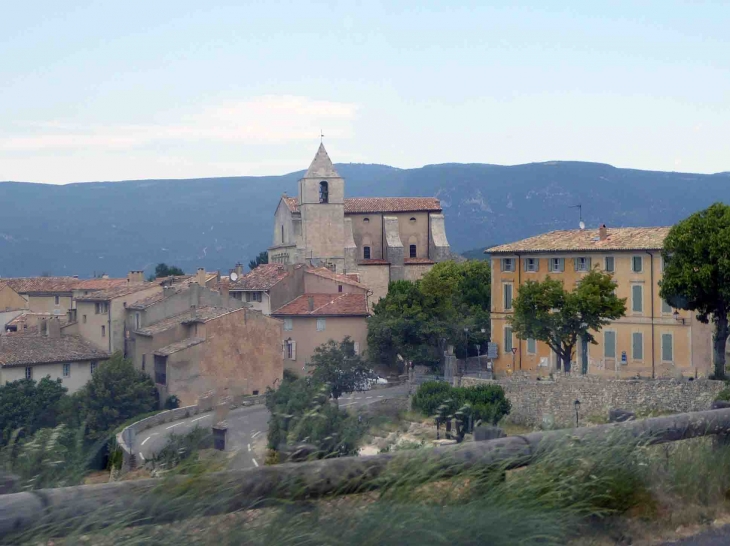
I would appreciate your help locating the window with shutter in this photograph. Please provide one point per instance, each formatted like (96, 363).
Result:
(288, 325)
(321, 324)
(667, 348)
(637, 346)
(557, 265)
(532, 264)
(666, 308)
(609, 344)
(637, 298)
(507, 339)
(507, 296)
(531, 346)
(609, 265)
(637, 264)
(293, 350)
(582, 264)
(508, 264)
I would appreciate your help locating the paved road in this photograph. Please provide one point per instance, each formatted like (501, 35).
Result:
(245, 427)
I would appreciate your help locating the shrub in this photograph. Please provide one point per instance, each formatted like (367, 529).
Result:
(724, 395)
(172, 402)
(487, 402)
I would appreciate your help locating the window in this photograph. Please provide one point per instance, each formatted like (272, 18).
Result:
(253, 296)
(366, 252)
(101, 307)
(282, 233)
(666, 308)
(582, 264)
(637, 264)
(57, 300)
(637, 346)
(288, 325)
(413, 251)
(609, 264)
(291, 349)
(103, 331)
(29, 372)
(339, 288)
(637, 298)
(83, 319)
(137, 320)
(67, 370)
(321, 324)
(412, 220)
(255, 392)
(557, 265)
(93, 366)
(508, 264)
(507, 339)
(532, 264)
(366, 220)
(507, 296)
(667, 348)
(609, 344)
(531, 346)
(144, 362)
(161, 370)
(324, 192)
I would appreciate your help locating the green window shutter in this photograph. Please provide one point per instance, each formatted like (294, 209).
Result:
(637, 339)
(609, 344)
(531, 346)
(588, 264)
(537, 264)
(575, 264)
(667, 355)
(561, 268)
(508, 296)
(507, 340)
(637, 294)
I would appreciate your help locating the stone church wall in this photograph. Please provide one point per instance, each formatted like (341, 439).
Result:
(438, 245)
(375, 277)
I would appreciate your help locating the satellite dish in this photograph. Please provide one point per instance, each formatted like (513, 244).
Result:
(582, 225)
(234, 276)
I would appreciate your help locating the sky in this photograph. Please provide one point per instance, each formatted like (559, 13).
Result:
(102, 90)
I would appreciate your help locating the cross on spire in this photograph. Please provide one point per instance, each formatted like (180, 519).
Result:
(321, 136)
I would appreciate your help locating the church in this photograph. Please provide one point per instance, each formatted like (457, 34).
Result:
(375, 239)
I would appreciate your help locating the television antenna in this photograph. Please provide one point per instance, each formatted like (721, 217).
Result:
(234, 276)
(581, 223)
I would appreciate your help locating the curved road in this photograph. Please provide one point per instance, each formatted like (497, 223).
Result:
(246, 426)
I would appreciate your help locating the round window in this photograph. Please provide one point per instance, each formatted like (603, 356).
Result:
(366, 220)
(413, 220)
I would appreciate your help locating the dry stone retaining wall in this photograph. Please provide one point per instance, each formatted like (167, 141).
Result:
(552, 402)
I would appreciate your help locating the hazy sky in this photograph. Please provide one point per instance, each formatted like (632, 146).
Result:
(103, 90)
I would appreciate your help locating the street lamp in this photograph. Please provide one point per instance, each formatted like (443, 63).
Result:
(576, 404)
(677, 317)
(466, 349)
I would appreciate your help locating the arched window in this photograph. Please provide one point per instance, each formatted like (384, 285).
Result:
(366, 220)
(324, 192)
(412, 246)
(282, 233)
(413, 220)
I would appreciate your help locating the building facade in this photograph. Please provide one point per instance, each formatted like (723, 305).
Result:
(652, 340)
(382, 239)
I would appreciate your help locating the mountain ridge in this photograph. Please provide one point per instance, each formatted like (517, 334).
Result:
(114, 226)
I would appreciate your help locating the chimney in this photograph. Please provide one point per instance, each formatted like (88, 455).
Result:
(54, 328)
(238, 269)
(603, 232)
(310, 302)
(200, 276)
(135, 276)
(43, 327)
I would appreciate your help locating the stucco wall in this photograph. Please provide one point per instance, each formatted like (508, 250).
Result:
(535, 402)
(692, 340)
(147, 345)
(438, 245)
(414, 272)
(413, 232)
(80, 373)
(319, 285)
(375, 277)
(372, 230)
(288, 288)
(323, 227)
(10, 299)
(47, 304)
(241, 354)
(304, 332)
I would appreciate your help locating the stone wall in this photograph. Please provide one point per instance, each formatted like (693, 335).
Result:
(438, 245)
(536, 402)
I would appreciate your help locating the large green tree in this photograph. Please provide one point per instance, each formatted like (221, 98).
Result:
(697, 272)
(547, 312)
(337, 366)
(116, 392)
(28, 406)
(164, 270)
(416, 320)
(262, 258)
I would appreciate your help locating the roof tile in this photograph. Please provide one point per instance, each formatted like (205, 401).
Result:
(30, 350)
(30, 285)
(340, 305)
(261, 278)
(362, 205)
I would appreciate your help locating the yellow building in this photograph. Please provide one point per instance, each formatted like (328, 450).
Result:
(652, 340)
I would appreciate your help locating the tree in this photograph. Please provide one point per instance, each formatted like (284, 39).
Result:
(164, 270)
(30, 406)
(115, 393)
(262, 258)
(696, 276)
(337, 366)
(547, 312)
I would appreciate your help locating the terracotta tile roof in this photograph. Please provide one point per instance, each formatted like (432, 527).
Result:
(361, 205)
(413, 261)
(392, 204)
(337, 277)
(330, 305)
(208, 313)
(31, 285)
(99, 284)
(30, 350)
(576, 240)
(262, 278)
(201, 314)
(118, 291)
(180, 284)
(23, 328)
(373, 262)
(179, 346)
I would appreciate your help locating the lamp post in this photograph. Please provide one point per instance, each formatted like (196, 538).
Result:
(576, 404)
(466, 348)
